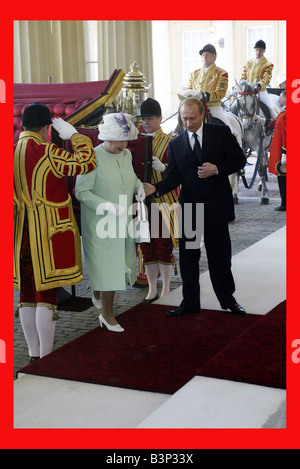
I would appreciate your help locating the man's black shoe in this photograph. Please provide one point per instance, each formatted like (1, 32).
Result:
(236, 309)
(181, 312)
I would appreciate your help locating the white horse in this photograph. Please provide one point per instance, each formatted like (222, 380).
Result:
(252, 114)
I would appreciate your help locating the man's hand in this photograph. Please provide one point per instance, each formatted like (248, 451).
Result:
(64, 129)
(149, 188)
(207, 170)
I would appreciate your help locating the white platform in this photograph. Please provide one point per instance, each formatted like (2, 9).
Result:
(57, 403)
(260, 275)
(232, 405)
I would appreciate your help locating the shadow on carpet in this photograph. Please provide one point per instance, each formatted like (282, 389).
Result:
(160, 354)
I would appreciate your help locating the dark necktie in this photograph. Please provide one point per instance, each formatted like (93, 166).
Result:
(197, 149)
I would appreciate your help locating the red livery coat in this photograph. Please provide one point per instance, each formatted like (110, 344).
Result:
(278, 144)
(41, 200)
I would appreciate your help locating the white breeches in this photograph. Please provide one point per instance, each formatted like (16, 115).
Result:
(265, 98)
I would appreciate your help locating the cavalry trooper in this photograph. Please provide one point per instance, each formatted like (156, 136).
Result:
(260, 70)
(213, 82)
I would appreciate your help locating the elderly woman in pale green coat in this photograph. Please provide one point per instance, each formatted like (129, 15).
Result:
(106, 195)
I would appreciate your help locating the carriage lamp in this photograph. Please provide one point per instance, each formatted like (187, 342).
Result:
(135, 90)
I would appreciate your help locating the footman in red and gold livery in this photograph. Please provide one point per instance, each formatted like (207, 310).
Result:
(47, 249)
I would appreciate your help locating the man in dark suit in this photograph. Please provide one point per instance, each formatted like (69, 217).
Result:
(200, 161)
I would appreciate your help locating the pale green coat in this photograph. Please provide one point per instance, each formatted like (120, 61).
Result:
(110, 260)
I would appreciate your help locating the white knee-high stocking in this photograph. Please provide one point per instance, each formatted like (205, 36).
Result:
(45, 325)
(166, 273)
(39, 328)
(27, 318)
(152, 271)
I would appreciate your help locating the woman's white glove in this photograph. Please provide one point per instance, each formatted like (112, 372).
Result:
(64, 129)
(283, 158)
(141, 194)
(116, 209)
(158, 165)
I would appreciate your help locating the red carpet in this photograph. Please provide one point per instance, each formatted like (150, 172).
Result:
(257, 356)
(155, 353)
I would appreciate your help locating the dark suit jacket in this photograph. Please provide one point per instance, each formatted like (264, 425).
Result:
(219, 147)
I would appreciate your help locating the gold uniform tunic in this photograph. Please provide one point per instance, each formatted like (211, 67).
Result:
(214, 81)
(260, 71)
(160, 150)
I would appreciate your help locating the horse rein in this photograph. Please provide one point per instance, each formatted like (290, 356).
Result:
(207, 115)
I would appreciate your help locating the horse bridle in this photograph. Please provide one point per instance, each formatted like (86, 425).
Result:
(243, 109)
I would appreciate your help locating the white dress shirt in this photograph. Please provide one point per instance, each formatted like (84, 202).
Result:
(206, 68)
(200, 137)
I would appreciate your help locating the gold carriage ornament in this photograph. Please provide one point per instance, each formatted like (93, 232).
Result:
(134, 91)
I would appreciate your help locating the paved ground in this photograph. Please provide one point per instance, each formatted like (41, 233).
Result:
(253, 222)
